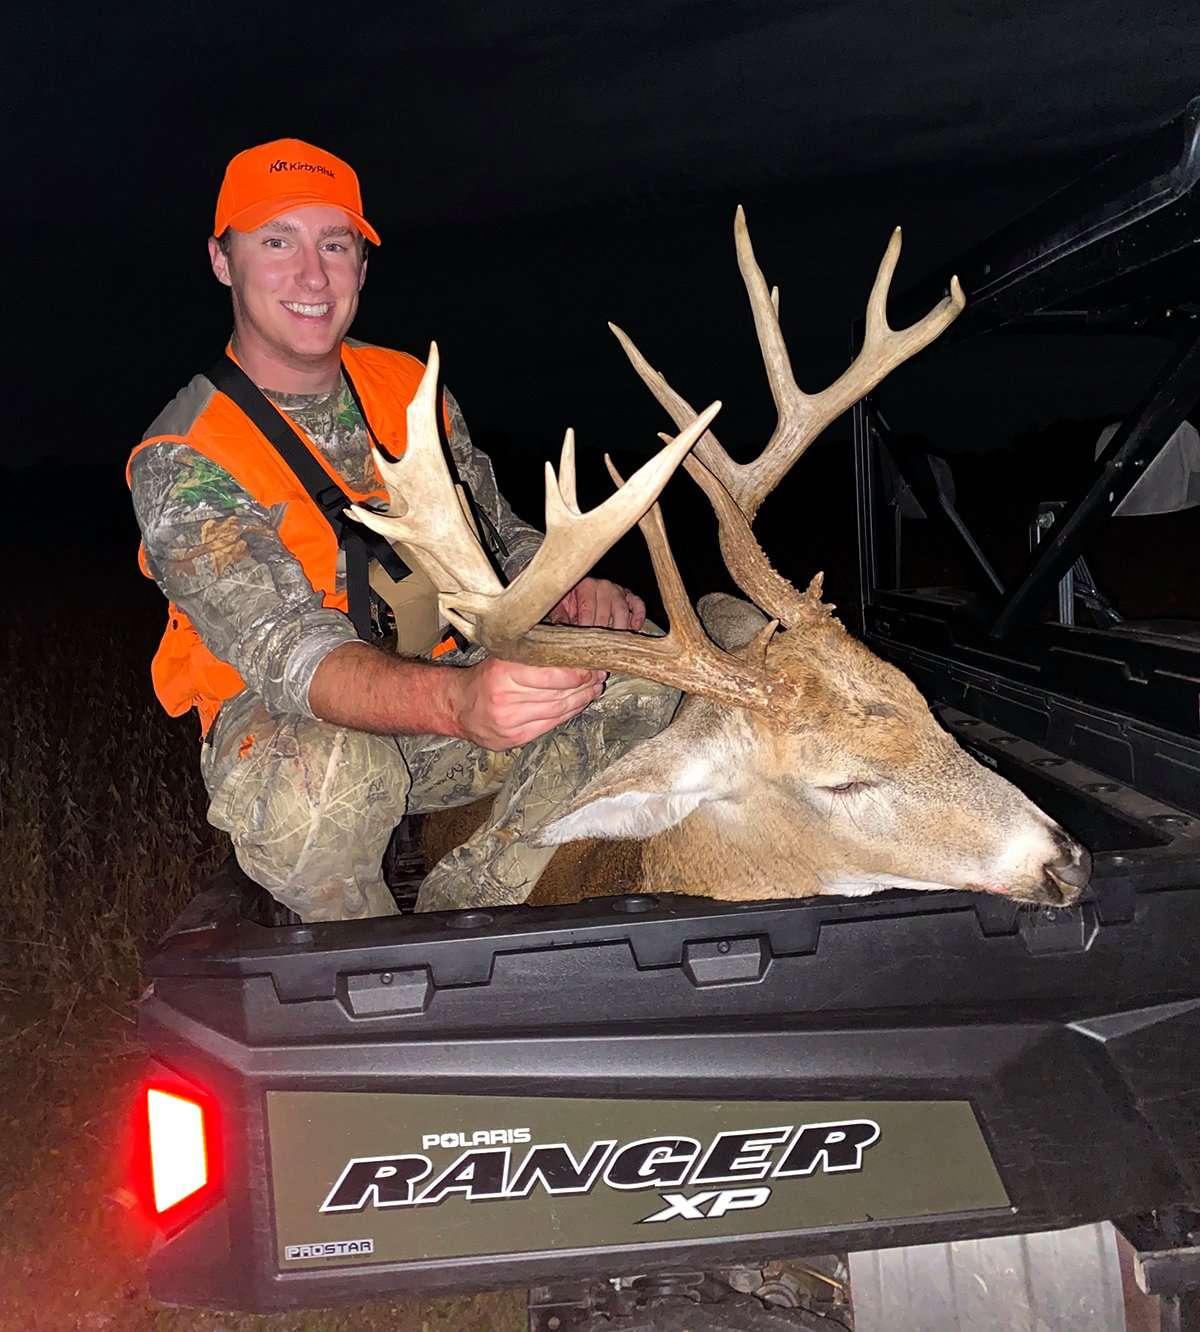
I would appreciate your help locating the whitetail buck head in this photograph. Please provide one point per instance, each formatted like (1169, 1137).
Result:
(799, 762)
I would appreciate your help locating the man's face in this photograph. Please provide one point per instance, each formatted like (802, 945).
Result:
(295, 283)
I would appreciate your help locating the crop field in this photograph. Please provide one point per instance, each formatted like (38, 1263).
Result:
(102, 829)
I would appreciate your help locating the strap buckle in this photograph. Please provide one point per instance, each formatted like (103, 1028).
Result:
(332, 500)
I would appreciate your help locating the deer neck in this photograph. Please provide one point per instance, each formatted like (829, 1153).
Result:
(735, 853)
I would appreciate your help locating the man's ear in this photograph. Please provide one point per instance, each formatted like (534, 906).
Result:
(362, 271)
(220, 261)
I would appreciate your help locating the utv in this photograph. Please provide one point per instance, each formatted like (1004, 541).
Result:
(674, 1113)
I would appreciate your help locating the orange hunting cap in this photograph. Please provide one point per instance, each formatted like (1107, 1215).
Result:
(275, 177)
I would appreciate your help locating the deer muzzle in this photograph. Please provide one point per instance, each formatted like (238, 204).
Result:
(1066, 876)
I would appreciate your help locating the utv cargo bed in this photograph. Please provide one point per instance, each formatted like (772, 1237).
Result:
(630, 1084)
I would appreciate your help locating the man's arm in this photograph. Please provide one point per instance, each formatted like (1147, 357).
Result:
(217, 554)
(494, 704)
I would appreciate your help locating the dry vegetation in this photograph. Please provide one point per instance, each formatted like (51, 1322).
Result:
(102, 829)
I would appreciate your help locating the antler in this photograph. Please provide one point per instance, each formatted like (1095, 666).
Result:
(429, 518)
(802, 416)
(747, 561)
(685, 657)
(428, 515)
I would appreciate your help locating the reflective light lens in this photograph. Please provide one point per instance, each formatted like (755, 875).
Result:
(178, 1161)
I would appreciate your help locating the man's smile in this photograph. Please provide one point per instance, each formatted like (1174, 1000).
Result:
(308, 311)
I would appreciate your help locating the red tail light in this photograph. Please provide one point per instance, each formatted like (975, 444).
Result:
(179, 1163)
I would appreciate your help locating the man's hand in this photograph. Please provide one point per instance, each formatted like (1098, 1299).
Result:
(501, 704)
(495, 704)
(597, 602)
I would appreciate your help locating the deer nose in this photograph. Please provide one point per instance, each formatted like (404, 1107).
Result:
(1067, 876)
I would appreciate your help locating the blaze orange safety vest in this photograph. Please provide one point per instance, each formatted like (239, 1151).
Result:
(186, 674)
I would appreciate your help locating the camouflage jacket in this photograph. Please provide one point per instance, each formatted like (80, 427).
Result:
(216, 553)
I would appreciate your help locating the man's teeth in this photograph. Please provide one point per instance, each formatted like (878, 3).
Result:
(314, 310)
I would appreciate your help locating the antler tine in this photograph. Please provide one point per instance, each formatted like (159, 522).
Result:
(765, 309)
(685, 657)
(737, 478)
(678, 409)
(573, 544)
(566, 472)
(425, 513)
(802, 416)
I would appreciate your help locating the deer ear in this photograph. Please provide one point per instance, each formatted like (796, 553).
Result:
(655, 786)
(729, 621)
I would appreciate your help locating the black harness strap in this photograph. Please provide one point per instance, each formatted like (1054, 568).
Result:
(359, 543)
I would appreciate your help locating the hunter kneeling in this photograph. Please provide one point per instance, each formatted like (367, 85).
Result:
(318, 738)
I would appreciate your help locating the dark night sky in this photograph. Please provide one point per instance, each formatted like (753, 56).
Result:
(536, 169)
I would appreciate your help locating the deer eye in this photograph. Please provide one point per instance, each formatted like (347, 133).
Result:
(845, 788)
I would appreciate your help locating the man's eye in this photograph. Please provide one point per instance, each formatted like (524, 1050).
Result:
(336, 245)
(274, 242)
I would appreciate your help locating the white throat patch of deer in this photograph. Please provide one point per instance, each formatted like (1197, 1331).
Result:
(799, 762)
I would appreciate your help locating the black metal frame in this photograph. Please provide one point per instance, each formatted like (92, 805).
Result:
(1138, 441)
(1072, 258)
(1088, 259)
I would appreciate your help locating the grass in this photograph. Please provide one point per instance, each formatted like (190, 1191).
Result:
(103, 835)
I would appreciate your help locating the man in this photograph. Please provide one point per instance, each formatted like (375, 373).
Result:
(316, 742)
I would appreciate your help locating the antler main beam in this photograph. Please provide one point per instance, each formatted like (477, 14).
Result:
(747, 561)
(801, 416)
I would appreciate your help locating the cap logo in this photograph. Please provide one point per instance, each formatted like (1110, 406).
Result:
(281, 165)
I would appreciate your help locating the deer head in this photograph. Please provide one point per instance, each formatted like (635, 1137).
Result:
(799, 762)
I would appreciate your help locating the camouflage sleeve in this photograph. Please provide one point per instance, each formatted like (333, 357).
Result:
(475, 468)
(217, 555)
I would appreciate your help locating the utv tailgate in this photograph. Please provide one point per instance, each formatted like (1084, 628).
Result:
(470, 1100)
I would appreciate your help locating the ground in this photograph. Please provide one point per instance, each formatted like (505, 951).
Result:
(72, 1257)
